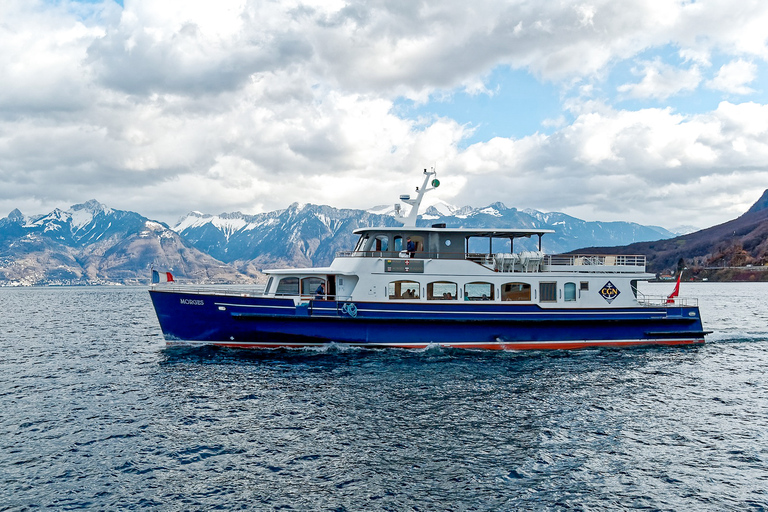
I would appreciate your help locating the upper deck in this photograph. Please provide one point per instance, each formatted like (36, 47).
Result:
(493, 249)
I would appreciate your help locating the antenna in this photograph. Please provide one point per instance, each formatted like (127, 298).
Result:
(410, 219)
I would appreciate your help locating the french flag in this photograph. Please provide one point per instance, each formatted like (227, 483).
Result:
(161, 277)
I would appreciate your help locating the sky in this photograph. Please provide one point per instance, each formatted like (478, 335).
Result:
(647, 111)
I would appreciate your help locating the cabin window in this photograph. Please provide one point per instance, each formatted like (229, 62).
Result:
(398, 245)
(516, 291)
(361, 243)
(403, 290)
(584, 286)
(569, 292)
(478, 291)
(269, 285)
(547, 292)
(381, 244)
(441, 290)
(309, 285)
(288, 286)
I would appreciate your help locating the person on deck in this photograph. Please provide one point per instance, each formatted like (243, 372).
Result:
(410, 247)
(320, 292)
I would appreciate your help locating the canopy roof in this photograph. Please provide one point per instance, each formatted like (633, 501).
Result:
(486, 232)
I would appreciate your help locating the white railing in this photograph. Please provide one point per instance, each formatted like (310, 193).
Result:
(526, 261)
(620, 260)
(664, 301)
(235, 291)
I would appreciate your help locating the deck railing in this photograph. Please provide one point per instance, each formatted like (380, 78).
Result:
(526, 261)
(664, 301)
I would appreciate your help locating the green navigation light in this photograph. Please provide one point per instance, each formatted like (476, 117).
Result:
(435, 183)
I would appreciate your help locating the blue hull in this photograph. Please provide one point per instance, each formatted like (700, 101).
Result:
(260, 322)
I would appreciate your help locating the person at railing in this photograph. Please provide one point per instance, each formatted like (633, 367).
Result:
(320, 292)
(410, 247)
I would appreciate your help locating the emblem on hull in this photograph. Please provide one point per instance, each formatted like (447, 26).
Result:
(609, 292)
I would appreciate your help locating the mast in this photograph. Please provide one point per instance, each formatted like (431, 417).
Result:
(410, 219)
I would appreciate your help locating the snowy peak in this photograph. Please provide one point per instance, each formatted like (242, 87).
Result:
(16, 216)
(82, 224)
(92, 206)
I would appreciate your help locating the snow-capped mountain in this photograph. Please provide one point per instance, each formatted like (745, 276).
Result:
(310, 235)
(300, 235)
(90, 243)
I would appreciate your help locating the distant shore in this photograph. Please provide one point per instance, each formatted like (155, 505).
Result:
(725, 275)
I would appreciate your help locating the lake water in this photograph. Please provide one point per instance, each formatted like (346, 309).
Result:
(97, 413)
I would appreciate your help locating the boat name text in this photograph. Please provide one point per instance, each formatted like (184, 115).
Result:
(192, 302)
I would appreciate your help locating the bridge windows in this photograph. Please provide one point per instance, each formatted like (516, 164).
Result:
(381, 243)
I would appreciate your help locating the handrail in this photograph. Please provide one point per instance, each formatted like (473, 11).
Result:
(198, 289)
(633, 260)
(664, 301)
(525, 261)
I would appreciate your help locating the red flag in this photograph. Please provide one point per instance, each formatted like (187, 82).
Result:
(169, 278)
(671, 297)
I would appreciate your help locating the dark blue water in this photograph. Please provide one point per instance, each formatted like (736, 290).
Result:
(95, 412)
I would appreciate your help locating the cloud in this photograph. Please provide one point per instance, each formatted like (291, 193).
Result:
(734, 77)
(166, 107)
(643, 165)
(661, 80)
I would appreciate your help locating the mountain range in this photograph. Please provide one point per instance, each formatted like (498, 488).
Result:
(734, 250)
(310, 235)
(90, 243)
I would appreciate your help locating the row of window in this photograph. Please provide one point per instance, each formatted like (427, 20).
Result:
(519, 292)
(290, 285)
(445, 290)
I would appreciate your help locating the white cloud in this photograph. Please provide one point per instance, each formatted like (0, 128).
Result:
(166, 107)
(734, 77)
(661, 80)
(647, 166)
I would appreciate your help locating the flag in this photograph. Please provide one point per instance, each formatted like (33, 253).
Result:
(676, 291)
(161, 277)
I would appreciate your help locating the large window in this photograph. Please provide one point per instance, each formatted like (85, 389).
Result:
(569, 292)
(382, 242)
(441, 290)
(288, 286)
(547, 292)
(403, 290)
(362, 243)
(309, 285)
(516, 291)
(478, 291)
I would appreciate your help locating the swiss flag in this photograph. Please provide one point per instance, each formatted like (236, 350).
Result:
(671, 297)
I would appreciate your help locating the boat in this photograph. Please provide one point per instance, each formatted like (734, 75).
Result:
(416, 286)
